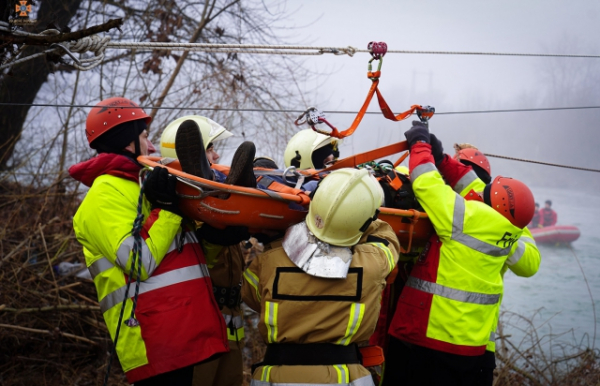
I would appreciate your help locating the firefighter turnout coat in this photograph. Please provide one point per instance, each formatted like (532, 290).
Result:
(179, 320)
(451, 299)
(301, 309)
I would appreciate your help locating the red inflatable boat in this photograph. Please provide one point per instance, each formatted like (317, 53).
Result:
(556, 234)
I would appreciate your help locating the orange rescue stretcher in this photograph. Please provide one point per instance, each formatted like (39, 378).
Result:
(223, 205)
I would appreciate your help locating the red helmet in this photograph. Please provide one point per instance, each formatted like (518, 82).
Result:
(109, 113)
(512, 199)
(476, 157)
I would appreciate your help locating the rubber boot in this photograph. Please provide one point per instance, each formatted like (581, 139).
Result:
(190, 151)
(242, 166)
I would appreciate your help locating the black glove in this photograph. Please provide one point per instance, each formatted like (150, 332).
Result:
(160, 190)
(418, 132)
(436, 149)
(231, 235)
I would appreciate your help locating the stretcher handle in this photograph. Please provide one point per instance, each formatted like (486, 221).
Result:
(200, 196)
(361, 158)
(300, 198)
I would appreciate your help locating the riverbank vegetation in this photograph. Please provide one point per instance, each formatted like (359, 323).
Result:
(52, 331)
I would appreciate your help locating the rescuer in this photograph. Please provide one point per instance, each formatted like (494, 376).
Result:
(318, 289)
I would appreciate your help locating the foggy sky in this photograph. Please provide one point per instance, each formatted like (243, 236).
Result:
(460, 83)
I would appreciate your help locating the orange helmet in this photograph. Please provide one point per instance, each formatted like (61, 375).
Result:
(512, 199)
(109, 113)
(475, 157)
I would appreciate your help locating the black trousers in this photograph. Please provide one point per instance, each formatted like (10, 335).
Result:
(486, 378)
(421, 366)
(180, 377)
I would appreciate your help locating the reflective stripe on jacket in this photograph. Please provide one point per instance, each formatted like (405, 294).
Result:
(449, 302)
(299, 308)
(180, 323)
(523, 261)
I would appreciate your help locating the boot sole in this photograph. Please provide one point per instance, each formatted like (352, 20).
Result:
(190, 150)
(242, 167)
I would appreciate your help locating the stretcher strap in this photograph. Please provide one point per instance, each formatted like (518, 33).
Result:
(348, 132)
(402, 158)
(424, 113)
(370, 155)
(387, 112)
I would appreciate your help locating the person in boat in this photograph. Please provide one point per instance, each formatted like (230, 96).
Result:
(318, 289)
(449, 305)
(548, 216)
(535, 221)
(184, 139)
(176, 323)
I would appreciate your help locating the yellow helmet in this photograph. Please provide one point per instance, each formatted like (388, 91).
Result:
(211, 132)
(300, 149)
(343, 206)
(402, 169)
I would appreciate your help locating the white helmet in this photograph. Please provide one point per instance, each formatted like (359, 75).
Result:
(211, 132)
(299, 150)
(344, 205)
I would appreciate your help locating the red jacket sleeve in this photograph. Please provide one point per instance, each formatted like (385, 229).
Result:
(420, 153)
(452, 170)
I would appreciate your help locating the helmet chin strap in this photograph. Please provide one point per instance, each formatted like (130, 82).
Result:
(486, 194)
(136, 141)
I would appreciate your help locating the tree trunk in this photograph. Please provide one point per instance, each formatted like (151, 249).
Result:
(24, 80)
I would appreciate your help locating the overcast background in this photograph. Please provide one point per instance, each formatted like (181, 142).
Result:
(453, 83)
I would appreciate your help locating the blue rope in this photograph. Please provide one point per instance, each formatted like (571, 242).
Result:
(137, 250)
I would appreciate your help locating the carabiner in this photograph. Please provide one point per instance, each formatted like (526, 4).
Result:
(311, 116)
(425, 113)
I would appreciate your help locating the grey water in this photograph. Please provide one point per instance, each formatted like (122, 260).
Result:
(557, 299)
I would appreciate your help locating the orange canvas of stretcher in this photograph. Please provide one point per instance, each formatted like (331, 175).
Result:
(223, 205)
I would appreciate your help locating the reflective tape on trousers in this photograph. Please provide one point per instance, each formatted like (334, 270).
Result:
(451, 293)
(364, 381)
(153, 283)
(468, 240)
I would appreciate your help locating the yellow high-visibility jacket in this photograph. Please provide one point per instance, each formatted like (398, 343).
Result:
(524, 262)
(452, 296)
(179, 320)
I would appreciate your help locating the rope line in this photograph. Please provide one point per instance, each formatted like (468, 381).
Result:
(292, 50)
(94, 44)
(541, 163)
(97, 46)
(250, 110)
